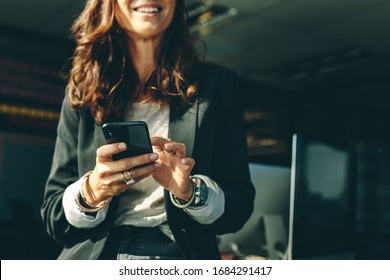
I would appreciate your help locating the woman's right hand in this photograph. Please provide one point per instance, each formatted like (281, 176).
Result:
(108, 177)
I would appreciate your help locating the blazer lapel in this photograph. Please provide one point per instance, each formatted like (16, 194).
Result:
(182, 125)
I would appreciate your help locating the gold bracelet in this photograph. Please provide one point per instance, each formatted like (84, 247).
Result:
(84, 199)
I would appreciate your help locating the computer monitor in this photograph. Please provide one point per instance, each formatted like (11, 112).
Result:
(321, 201)
(265, 233)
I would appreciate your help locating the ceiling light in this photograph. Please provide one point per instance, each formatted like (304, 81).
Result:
(203, 14)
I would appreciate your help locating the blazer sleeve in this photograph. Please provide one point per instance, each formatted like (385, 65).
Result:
(63, 172)
(230, 160)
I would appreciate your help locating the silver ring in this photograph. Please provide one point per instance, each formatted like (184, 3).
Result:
(130, 181)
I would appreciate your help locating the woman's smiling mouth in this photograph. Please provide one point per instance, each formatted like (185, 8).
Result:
(148, 10)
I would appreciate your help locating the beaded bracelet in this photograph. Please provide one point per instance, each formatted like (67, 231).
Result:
(178, 202)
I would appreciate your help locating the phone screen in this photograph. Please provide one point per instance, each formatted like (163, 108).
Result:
(134, 134)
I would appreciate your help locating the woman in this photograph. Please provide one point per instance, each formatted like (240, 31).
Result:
(135, 60)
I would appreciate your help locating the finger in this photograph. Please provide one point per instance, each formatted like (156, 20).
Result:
(187, 164)
(158, 149)
(132, 162)
(174, 147)
(188, 161)
(159, 136)
(158, 140)
(104, 152)
(140, 172)
(142, 177)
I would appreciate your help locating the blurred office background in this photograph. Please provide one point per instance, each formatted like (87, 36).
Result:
(315, 69)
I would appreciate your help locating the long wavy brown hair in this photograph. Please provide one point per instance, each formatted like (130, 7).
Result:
(103, 78)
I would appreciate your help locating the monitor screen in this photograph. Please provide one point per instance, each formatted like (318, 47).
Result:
(265, 233)
(321, 201)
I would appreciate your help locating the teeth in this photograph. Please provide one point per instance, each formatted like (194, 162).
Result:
(147, 10)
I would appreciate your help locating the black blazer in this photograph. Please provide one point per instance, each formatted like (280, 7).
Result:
(213, 132)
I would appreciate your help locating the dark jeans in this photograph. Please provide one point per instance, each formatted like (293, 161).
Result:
(140, 243)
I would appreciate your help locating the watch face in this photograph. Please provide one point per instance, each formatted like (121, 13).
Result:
(199, 198)
(203, 193)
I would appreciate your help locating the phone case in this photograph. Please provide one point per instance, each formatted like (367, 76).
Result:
(135, 134)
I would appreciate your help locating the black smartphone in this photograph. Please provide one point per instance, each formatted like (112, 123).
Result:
(135, 134)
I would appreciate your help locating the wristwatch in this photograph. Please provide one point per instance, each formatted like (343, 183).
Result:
(201, 192)
(199, 196)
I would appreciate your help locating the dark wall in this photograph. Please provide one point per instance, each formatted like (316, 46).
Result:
(31, 95)
(24, 165)
(350, 114)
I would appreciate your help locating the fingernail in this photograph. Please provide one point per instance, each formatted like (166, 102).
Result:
(157, 164)
(121, 146)
(153, 156)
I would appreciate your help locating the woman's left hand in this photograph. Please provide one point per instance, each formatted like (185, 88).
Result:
(175, 169)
